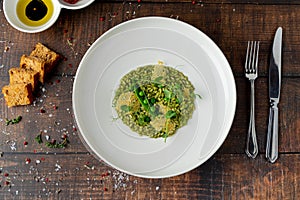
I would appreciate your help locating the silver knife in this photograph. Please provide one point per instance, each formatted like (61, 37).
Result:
(274, 93)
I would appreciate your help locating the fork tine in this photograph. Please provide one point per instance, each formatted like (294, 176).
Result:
(251, 63)
(256, 60)
(252, 60)
(247, 57)
(254, 57)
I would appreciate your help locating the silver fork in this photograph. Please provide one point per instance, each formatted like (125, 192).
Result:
(251, 68)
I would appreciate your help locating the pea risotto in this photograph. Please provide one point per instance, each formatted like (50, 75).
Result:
(154, 100)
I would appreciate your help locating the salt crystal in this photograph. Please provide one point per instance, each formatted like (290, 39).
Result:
(157, 188)
(58, 167)
(47, 137)
(57, 123)
(6, 48)
(13, 146)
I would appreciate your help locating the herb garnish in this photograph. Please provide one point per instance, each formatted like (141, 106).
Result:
(13, 121)
(125, 108)
(54, 144)
(198, 95)
(168, 94)
(170, 114)
(143, 120)
(158, 79)
(165, 136)
(38, 138)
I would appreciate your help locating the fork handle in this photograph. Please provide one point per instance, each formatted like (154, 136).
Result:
(251, 143)
(272, 135)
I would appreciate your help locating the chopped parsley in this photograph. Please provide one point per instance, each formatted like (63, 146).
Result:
(13, 121)
(53, 143)
(38, 138)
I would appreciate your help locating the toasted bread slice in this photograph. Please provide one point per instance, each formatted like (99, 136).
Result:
(22, 75)
(50, 57)
(18, 94)
(35, 64)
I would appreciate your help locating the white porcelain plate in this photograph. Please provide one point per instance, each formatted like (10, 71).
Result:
(141, 42)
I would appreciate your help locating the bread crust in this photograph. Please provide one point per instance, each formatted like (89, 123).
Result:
(18, 94)
(22, 75)
(50, 57)
(35, 64)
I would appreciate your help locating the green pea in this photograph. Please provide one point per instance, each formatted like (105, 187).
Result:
(147, 119)
(153, 100)
(141, 93)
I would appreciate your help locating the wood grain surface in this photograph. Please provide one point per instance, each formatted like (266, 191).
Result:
(29, 170)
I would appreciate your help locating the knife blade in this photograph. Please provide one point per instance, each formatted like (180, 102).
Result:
(274, 94)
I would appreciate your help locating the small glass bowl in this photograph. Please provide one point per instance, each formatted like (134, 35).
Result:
(80, 4)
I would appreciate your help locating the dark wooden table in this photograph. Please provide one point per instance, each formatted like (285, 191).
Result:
(72, 173)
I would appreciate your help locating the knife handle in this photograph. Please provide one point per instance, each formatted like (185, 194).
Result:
(272, 136)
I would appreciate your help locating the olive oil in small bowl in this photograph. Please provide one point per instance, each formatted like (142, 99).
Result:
(31, 16)
(34, 12)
